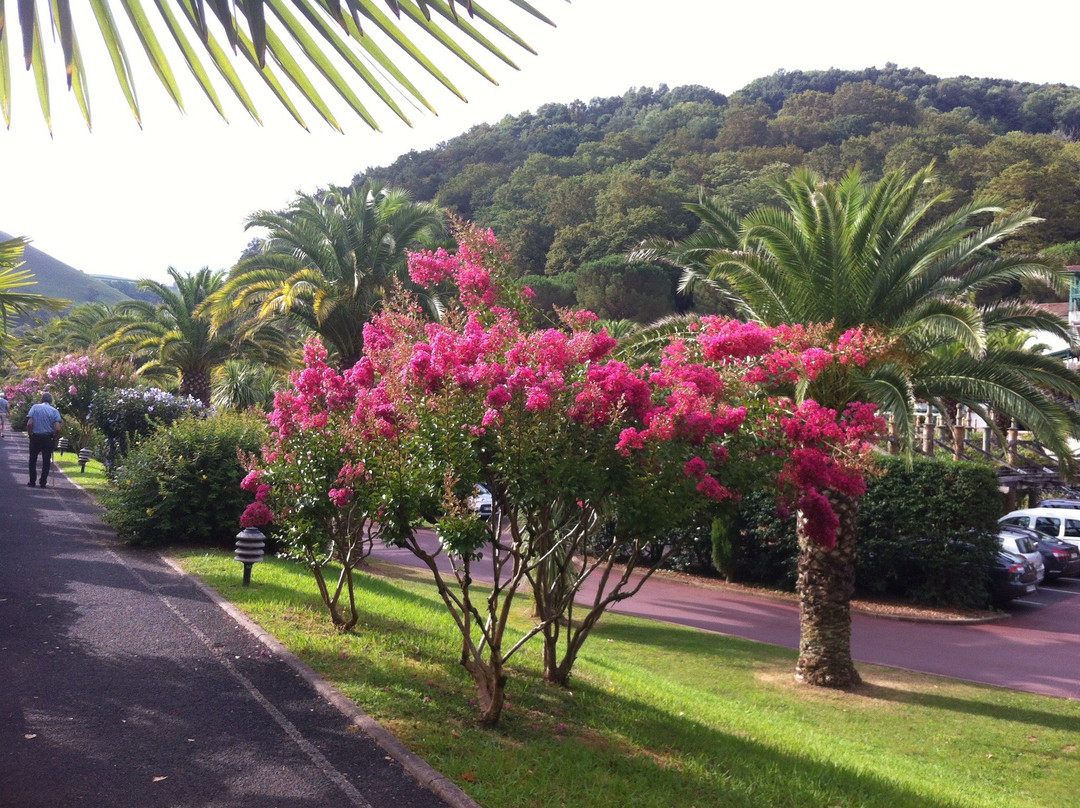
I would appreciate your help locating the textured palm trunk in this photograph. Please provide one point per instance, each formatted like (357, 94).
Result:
(196, 383)
(825, 585)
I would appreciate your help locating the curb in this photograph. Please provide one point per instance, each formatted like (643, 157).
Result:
(687, 580)
(419, 768)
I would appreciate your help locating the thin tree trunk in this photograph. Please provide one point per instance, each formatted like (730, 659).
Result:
(826, 582)
(490, 689)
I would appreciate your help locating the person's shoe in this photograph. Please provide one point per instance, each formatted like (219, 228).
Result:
(31, 483)
(43, 484)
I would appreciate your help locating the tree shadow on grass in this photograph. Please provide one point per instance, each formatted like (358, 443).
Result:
(1068, 718)
(632, 753)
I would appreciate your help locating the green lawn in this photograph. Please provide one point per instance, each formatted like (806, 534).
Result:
(93, 479)
(666, 716)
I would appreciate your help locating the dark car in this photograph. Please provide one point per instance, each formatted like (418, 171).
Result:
(1012, 576)
(1060, 557)
(1060, 503)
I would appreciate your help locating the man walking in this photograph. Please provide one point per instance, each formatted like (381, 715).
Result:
(4, 410)
(43, 424)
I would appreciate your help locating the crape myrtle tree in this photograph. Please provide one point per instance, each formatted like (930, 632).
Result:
(589, 460)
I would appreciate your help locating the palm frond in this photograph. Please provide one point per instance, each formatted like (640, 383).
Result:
(303, 46)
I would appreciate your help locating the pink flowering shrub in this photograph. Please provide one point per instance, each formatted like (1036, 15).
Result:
(75, 379)
(571, 441)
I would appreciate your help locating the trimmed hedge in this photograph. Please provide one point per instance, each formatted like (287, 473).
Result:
(927, 533)
(182, 483)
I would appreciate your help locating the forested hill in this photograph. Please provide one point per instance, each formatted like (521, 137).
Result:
(573, 183)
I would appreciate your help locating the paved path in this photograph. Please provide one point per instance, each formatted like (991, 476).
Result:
(123, 684)
(1037, 649)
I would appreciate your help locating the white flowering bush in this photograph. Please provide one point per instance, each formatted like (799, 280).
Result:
(124, 414)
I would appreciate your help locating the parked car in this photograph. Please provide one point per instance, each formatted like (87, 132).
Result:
(1011, 577)
(1059, 523)
(1060, 503)
(480, 501)
(1027, 547)
(1059, 557)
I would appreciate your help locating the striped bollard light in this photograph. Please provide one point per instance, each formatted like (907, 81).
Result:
(249, 549)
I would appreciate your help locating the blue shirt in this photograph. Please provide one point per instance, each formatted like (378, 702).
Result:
(45, 418)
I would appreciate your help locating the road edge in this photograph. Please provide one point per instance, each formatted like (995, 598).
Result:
(422, 771)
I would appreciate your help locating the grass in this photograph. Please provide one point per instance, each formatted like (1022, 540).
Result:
(93, 479)
(666, 716)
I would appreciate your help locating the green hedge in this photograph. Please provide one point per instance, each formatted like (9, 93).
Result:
(926, 534)
(928, 531)
(182, 483)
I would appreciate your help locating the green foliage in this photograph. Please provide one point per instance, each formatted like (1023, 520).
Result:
(763, 547)
(571, 183)
(550, 293)
(615, 289)
(123, 414)
(926, 534)
(182, 483)
(926, 531)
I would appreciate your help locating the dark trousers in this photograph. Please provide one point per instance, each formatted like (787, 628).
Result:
(43, 445)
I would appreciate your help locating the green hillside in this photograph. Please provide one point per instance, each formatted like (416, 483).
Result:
(57, 279)
(570, 189)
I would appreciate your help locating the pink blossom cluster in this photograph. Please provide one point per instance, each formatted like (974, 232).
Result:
(483, 375)
(827, 453)
(75, 367)
(256, 514)
(428, 268)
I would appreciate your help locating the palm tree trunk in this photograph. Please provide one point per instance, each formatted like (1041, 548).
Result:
(196, 383)
(826, 582)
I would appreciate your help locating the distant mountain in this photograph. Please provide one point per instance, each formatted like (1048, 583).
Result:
(57, 279)
(130, 288)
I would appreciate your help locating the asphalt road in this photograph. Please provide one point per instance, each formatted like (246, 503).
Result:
(122, 683)
(1036, 649)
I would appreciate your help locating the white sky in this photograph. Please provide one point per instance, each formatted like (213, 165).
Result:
(131, 202)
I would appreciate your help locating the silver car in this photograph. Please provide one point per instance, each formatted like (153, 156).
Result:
(1023, 546)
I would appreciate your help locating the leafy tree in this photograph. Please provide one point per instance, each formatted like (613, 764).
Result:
(175, 339)
(323, 28)
(328, 262)
(852, 254)
(614, 289)
(550, 294)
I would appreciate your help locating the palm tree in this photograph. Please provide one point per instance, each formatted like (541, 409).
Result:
(326, 34)
(241, 384)
(852, 254)
(78, 331)
(13, 301)
(329, 262)
(175, 338)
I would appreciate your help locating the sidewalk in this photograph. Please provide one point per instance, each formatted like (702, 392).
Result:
(123, 683)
